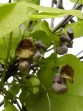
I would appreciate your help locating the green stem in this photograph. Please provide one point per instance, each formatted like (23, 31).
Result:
(25, 28)
(6, 61)
(50, 49)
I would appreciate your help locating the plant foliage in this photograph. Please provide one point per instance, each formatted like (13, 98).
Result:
(25, 39)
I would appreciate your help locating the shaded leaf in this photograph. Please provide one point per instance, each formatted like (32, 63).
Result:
(9, 107)
(9, 95)
(14, 89)
(23, 95)
(41, 35)
(25, 82)
(37, 102)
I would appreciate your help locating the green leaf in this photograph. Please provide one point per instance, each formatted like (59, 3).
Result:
(65, 102)
(31, 85)
(40, 101)
(25, 82)
(34, 81)
(14, 16)
(80, 1)
(9, 95)
(55, 39)
(14, 89)
(45, 15)
(48, 62)
(37, 102)
(77, 28)
(48, 68)
(24, 93)
(41, 35)
(55, 11)
(9, 107)
(70, 100)
(29, 1)
(4, 44)
(43, 25)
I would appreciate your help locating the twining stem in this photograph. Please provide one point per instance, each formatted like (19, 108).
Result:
(18, 105)
(79, 52)
(75, 4)
(52, 19)
(1, 103)
(65, 19)
(6, 60)
(9, 1)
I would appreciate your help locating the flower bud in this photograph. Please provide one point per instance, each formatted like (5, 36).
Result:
(61, 49)
(70, 33)
(24, 67)
(37, 56)
(59, 84)
(65, 38)
(40, 45)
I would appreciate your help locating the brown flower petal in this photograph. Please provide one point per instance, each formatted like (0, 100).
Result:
(25, 48)
(67, 72)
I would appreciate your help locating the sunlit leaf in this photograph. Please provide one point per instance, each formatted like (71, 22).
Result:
(29, 1)
(43, 25)
(49, 10)
(15, 15)
(45, 15)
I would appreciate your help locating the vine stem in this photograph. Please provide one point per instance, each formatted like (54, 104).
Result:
(7, 56)
(1, 103)
(66, 19)
(9, 1)
(47, 97)
(18, 105)
(52, 19)
(79, 53)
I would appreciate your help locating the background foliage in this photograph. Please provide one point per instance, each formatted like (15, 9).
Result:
(35, 93)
